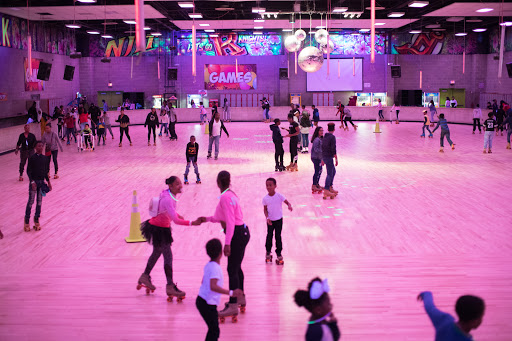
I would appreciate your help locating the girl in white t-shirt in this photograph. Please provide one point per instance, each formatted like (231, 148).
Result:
(272, 207)
(211, 288)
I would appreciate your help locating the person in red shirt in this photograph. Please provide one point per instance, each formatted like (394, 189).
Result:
(70, 124)
(83, 118)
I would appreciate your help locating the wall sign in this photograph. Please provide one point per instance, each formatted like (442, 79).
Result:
(232, 45)
(224, 77)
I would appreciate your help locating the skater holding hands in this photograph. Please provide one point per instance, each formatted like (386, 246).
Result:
(293, 134)
(211, 288)
(316, 158)
(470, 310)
(322, 324)
(445, 131)
(277, 138)
(273, 210)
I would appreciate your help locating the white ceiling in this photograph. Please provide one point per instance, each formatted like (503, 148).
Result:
(469, 9)
(93, 12)
(273, 24)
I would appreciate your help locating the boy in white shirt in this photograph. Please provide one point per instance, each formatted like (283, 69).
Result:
(211, 288)
(477, 115)
(273, 209)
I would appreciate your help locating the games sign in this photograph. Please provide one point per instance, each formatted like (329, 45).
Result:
(225, 77)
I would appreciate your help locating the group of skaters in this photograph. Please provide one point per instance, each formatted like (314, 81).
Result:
(203, 113)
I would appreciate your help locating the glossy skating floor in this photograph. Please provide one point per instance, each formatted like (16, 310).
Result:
(407, 219)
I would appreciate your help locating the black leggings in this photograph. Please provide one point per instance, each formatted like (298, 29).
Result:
(279, 154)
(55, 163)
(211, 317)
(150, 127)
(293, 150)
(277, 226)
(239, 241)
(164, 249)
(475, 122)
(125, 131)
(348, 119)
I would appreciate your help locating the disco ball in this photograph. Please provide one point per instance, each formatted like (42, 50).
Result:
(321, 36)
(310, 59)
(292, 44)
(323, 47)
(300, 34)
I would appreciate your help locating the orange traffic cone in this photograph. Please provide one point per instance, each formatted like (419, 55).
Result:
(377, 128)
(135, 235)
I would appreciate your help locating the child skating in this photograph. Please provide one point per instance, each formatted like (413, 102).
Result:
(445, 131)
(211, 288)
(489, 125)
(191, 155)
(469, 309)
(157, 231)
(273, 209)
(322, 324)
(426, 125)
(277, 138)
(293, 133)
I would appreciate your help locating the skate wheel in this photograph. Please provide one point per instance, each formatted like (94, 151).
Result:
(147, 291)
(169, 299)
(139, 286)
(180, 299)
(242, 309)
(221, 319)
(234, 319)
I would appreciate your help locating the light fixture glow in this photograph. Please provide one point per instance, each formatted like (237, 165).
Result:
(209, 31)
(415, 31)
(195, 15)
(380, 23)
(462, 34)
(93, 32)
(204, 25)
(259, 20)
(484, 10)
(506, 23)
(73, 26)
(257, 32)
(130, 22)
(340, 9)
(418, 3)
(364, 30)
(156, 34)
(320, 27)
(186, 4)
(396, 14)
(214, 35)
(479, 30)
(147, 28)
(258, 10)
(87, 1)
(258, 27)
(107, 36)
(287, 29)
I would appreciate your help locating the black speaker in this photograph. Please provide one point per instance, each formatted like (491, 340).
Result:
(69, 72)
(44, 71)
(283, 73)
(172, 74)
(509, 69)
(396, 71)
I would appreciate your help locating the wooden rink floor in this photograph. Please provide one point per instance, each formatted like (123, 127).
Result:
(407, 219)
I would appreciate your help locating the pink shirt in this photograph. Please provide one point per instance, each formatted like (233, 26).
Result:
(167, 212)
(228, 210)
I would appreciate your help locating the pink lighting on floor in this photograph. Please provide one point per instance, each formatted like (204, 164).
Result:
(140, 36)
(372, 34)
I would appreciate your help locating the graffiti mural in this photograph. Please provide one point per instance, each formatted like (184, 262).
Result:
(45, 37)
(438, 43)
(495, 38)
(232, 45)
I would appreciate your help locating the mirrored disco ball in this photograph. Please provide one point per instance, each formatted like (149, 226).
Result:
(300, 34)
(292, 44)
(321, 36)
(324, 47)
(310, 59)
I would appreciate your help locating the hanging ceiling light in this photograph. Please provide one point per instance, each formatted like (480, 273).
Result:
(396, 14)
(87, 1)
(156, 34)
(73, 25)
(479, 29)
(258, 10)
(461, 34)
(129, 22)
(418, 4)
(107, 36)
(186, 4)
(339, 9)
(93, 32)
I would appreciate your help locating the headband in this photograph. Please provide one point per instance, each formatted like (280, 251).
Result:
(318, 289)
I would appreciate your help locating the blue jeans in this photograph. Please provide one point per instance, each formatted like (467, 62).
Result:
(447, 134)
(318, 171)
(331, 172)
(489, 135)
(265, 114)
(196, 169)
(425, 126)
(163, 126)
(381, 116)
(215, 139)
(31, 196)
(509, 132)
(305, 141)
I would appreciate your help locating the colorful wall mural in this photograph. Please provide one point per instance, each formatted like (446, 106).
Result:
(494, 40)
(439, 43)
(355, 44)
(45, 37)
(125, 46)
(232, 45)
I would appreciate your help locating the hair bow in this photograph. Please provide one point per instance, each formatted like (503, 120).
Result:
(318, 289)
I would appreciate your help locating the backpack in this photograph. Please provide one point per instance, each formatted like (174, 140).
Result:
(153, 206)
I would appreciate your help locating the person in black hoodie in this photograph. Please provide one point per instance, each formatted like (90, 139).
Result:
(277, 138)
(27, 143)
(191, 155)
(152, 124)
(216, 127)
(124, 122)
(95, 113)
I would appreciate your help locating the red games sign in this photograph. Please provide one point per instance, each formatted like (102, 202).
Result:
(225, 77)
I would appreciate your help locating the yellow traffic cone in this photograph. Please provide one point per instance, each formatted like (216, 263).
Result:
(377, 128)
(207, 128)
(135, 235)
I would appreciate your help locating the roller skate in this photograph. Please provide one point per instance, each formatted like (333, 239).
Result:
(21, 178)
(489, 151)
(198, 180)
(186, 180)
(120, 144)
(431, 136)
(145, 282)
(453, 146)
(328, 194)
(230, 310)
(294, 168)
(441, 150)
(316, 189)
(26, 227)
(268, 258)
(508, 145)
(131, 144)
(332, 190)
(216, 158)
(149, 143)
(279, 260)
(209, 156)
(282, 168)
(173, 291)
(154, 144)
(242, 304)
(37, 226)
(485, 151)
(277, 169)
(56, 176)
(422, 135)
(289, 167)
